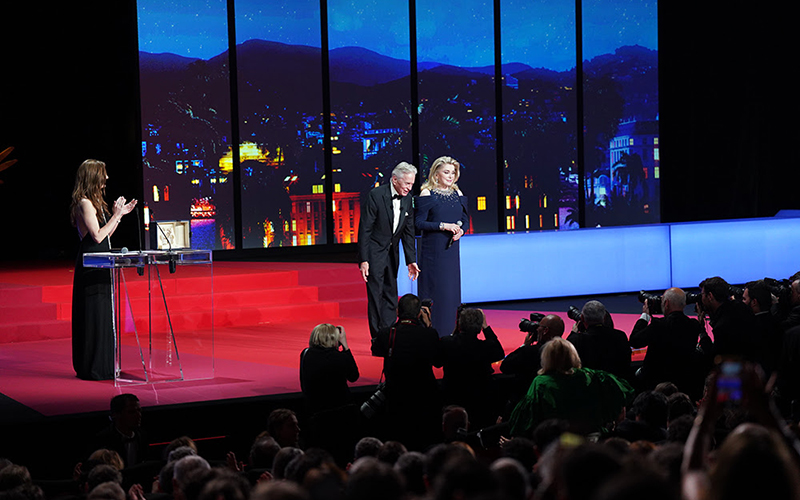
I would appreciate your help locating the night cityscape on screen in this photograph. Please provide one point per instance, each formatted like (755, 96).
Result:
(187, 143)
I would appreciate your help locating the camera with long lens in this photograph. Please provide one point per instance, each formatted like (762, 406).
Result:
(782, 290)
(373, 405)
(574, 313)
(693, 298)
(530, 326)
(737, 292)
(654, 301)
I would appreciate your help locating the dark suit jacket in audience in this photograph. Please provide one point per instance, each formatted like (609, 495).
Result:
(671, 344)
(604, 348)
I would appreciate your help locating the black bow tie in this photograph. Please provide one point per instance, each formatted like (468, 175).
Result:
(397, 197)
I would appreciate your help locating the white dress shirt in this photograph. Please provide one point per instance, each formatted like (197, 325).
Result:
(395, 208)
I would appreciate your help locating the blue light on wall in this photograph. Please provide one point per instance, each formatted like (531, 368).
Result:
(737, 250)
(558, 264)
(522, 266)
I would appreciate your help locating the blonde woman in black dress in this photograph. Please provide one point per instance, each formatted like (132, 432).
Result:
(441, 215)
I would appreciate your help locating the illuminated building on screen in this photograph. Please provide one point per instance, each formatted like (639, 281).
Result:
(634, 147)
(308, 217)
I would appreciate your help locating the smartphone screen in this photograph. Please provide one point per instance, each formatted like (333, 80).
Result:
(729, 383)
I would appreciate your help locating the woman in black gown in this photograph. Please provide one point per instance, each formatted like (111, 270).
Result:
(92, 323)
(441, 215)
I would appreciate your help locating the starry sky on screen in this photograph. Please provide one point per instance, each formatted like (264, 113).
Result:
(539, 33)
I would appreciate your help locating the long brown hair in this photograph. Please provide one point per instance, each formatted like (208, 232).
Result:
(90, 183)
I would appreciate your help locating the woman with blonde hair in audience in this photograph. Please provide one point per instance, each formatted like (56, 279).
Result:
(326, 366)
(589, 399)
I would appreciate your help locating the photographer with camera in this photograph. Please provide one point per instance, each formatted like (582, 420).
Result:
(769, 335)
(789, 364)
(524, 362)
(732, 322)
(468, 367)
(671, 343)
(793, 317)
(410, 349)
(601, 347)
(326, 365)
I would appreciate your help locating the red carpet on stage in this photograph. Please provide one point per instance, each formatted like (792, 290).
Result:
(263, 315)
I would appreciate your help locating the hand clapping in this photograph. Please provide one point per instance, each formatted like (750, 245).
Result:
(122, 208)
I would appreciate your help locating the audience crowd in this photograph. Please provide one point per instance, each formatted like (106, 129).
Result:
(711, 413)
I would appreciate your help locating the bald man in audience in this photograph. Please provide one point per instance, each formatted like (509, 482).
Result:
(523, 363)
(671, 342)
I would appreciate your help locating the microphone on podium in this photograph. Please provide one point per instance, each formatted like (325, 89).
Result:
(173, 259)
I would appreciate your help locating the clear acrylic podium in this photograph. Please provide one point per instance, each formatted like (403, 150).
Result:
(163, 314)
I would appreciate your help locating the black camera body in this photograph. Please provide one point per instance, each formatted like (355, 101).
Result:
(654, 301)
(530, 326)
(782, 290)
(574, 313)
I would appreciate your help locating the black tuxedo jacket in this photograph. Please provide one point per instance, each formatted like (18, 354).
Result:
(377, 243)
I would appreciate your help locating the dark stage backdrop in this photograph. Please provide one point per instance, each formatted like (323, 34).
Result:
(70, 92)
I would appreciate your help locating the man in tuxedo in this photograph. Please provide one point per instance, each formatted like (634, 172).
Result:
(386, 219)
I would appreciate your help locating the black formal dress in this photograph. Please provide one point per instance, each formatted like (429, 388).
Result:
(379, 244)
(438, 256)
(92, 316)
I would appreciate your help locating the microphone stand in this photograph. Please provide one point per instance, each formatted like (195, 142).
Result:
(139, 230)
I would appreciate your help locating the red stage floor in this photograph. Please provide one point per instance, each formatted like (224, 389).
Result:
(251, 360)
